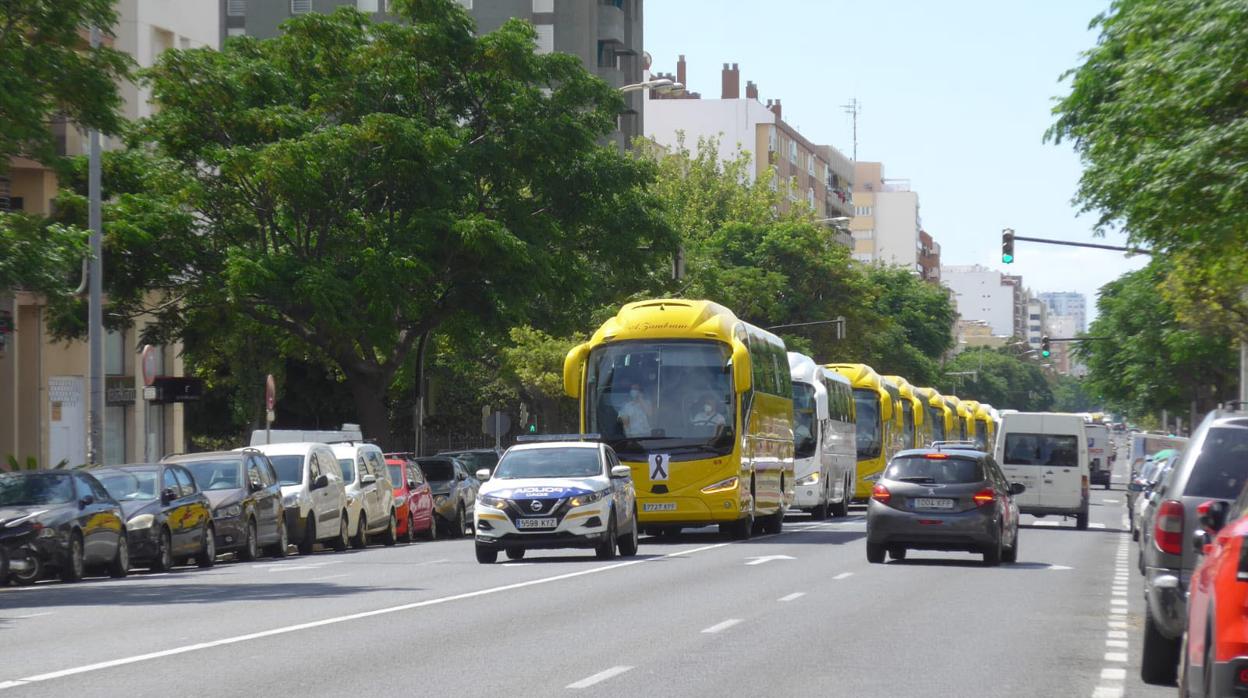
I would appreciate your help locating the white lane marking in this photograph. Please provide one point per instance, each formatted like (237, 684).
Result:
(718, 627)
(768, 558)
(328, 576)
(1116, 644)
(430, 562)
(292, 568)
(1118, 602)
(340, 619)
(1110, 501)
(1116, 634)
(1045, 523)
(517, 564)
(33, 615)
(794, 596)
(842, 575)
(1117, 624)
(1096, 524)
(1115, 656)
(1113, 674)
(1107, 692)
(1119, 593)
(599, 677)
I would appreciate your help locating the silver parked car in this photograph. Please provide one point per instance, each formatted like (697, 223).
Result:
(454, 494)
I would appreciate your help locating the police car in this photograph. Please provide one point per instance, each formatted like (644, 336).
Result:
(556, 492)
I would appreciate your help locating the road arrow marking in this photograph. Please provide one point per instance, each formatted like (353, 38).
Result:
(768, 558)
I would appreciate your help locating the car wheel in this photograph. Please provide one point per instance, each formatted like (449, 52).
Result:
(75, 564)
(431, 533)
(875, 553)
(1011, 553)
(897, 552)
(309, 537)
(515, 553)
(606, 549)
(163, 561)
(841, 509)
(628, 544)
(207, 556)
(486, 555)
(410, 536)
(120, 565)
(280, 548)
(391, 536)
(251, 547)
(1081, 521)
(458, 531)
(343, 540)
(1159, 663)
(992, 554)
(31, 575)
(361, 533)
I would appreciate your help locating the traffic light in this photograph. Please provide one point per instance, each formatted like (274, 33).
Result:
(1007, 246)
(1045, 349)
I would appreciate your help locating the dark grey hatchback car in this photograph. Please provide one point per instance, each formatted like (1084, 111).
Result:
(943, 499)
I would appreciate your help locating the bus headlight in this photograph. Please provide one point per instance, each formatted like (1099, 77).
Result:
(810, 479)
(722, 486)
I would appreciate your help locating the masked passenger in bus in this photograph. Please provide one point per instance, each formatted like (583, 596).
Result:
(635, 415)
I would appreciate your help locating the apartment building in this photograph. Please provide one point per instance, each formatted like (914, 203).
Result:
(982, 295)
(43, 383)
(817, 176)
(605, 34)
(1069, 303)
(887, 225)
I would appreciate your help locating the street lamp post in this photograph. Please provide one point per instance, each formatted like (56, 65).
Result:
(658, 85)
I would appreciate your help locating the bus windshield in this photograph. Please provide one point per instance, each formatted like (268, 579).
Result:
(674, 396)
(937, 417)
(803, 420)
(907, 431)
(870, 436)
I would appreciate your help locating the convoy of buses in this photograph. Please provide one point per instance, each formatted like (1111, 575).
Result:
(720, 424)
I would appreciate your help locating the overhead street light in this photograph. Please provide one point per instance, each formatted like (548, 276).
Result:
(658, 85)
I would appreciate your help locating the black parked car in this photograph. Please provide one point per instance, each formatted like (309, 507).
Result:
(167, 518)
(63, 522)
(246, 500)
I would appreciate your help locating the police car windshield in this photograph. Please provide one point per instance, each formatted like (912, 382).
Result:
(549, 462)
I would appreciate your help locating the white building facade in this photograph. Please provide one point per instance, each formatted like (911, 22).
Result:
(981, 296)
(1068, 303)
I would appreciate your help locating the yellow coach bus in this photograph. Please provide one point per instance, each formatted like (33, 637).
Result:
(986, 426)
(878, 423)
(700, 405)
(974, 428)
(961, 419)
(940, 414)
(916, 430)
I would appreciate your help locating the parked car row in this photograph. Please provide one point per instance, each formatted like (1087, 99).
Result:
(254, 501)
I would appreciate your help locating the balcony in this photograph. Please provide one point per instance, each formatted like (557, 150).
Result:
(611, 22)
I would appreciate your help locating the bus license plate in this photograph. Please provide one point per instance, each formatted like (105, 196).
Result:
(659, 506)
(924, 503)
(536, 523)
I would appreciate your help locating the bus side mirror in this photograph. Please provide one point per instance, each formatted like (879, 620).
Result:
(572, 365)
(741, 372)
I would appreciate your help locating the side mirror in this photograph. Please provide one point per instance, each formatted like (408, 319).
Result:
(411, 485)
(254, 486)
(86, 501)
(1201, 540)
(320, 481)
(742, 373)
(1212, 515)
(572, 365)
(483, 474)
(460, 476)
(1017, 488)
(167, 495)
(368, 479)
(621, 472)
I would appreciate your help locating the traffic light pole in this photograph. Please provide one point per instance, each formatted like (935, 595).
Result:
(1093, 245)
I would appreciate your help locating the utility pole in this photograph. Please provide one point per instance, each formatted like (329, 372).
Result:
(95, 310)
(853, 108)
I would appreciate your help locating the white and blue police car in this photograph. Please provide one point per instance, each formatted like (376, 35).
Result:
(556, 492)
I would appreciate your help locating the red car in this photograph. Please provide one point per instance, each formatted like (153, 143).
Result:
(413, 501)
(1215, 662)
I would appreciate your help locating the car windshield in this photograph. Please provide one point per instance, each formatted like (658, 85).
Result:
(216, 474)
(396, 475)
(674, 397)
(129, 486)
(437, 470)
(934, 471)
(936, 417)
(35, 489)
(476, 460)
(1061, 450)
(289, 468)
(347, 466)
(549, 462)
(804, 420)
(1221, 466)
(867, 405)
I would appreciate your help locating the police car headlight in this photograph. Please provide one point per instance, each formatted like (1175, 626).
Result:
(492, 501)
(141, 522)
(581, 500)
(810, 479)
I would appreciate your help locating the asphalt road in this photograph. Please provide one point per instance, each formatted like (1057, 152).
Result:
(797, 613)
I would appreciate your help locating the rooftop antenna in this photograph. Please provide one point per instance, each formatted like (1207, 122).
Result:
(853, 108)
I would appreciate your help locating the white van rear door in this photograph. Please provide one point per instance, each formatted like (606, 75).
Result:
(1012, 452)
(1064, 477)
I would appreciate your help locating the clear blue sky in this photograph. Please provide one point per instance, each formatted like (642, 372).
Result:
(955, 97)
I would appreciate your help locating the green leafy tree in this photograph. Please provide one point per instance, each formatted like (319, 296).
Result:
(355, 186)
(1158, 110)
(1001, 379)
(1071, 394)
(1151, 362)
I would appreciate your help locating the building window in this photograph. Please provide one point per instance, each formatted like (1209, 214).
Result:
(810, 165)
(300, 7)
(771, 139)
(538, 5)
(545, 38)
(606, 55)
(810, 197)
(115, 354)
(236, 8)
(367, 5)
(236, 31)
(793, 152)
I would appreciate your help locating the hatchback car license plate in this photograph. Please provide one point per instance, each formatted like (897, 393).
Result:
(925, 503)
(659, 506)
(536, 523)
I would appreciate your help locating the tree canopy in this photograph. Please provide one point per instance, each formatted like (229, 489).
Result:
(1001, 379)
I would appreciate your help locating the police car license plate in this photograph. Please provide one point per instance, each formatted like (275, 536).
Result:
(536, 523)
(659, 506)
(926, 503)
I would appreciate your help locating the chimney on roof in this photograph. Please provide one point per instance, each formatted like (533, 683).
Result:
(680, 71)
(751, 90)
(775, 108)
(731, 81)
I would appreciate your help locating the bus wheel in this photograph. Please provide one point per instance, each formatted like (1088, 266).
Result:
(820, 512)
(742, 529)
(775, 523)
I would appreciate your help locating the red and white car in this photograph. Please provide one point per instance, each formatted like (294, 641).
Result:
(413, 500)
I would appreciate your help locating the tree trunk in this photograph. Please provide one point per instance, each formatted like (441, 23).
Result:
(368, 389)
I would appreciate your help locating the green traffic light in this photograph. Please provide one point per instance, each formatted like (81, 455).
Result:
(1007, 258)
(1045, 354)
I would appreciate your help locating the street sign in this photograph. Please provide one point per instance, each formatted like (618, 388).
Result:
(270, 393)
(150, 362)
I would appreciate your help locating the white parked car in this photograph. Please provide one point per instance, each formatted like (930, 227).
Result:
(313, 494)
(560, 494)
(370, 494)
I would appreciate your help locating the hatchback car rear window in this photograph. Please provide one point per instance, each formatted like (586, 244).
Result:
(1061, 450)
(1221, 467)
(931, 471)
(289, 468)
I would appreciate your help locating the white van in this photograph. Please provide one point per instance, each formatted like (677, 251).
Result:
(313, 493)
(825, 456)
(1048, 453)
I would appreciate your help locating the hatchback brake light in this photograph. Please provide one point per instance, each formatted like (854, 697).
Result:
(984, 497)
(936, 456)
(881, 494)
(1168, 527)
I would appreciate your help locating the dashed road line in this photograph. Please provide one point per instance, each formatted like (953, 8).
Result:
(793, 597)
(721, 626)
(843, 575)
(599, 677)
